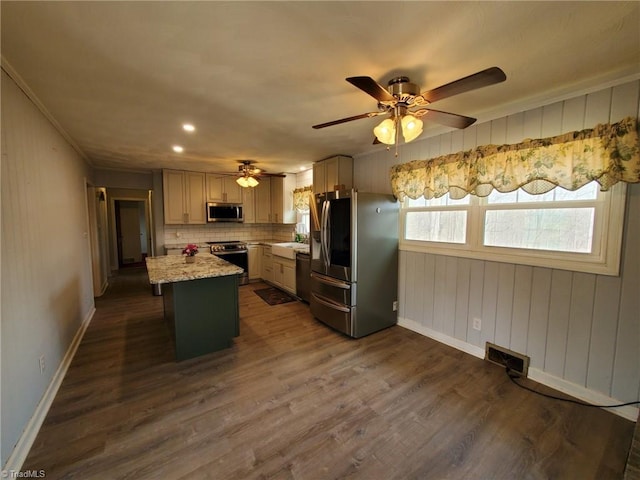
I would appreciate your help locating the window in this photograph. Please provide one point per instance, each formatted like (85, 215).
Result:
(574, 230)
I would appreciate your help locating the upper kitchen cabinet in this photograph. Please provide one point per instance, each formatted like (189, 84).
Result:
(223, 189)
(272, 201)
(249, 205)
(282, 210)
(262, 199)
(331, 173)
(184, 197)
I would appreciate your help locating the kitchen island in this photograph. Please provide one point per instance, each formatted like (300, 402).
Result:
(200, 302)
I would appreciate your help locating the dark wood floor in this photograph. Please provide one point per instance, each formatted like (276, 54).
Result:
(293, 399)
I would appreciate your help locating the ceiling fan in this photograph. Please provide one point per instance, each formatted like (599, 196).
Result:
(248, 174)
(405, 104)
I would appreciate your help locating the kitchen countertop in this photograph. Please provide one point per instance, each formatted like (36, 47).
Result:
(204, 248)
(172, 268)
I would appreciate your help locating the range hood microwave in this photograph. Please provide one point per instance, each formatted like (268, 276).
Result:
(225, 212)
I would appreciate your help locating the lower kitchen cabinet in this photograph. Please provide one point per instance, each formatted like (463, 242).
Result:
(284, 274)
(255, 262)
(267, 264)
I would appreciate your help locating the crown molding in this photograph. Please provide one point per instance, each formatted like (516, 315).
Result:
(15, 76)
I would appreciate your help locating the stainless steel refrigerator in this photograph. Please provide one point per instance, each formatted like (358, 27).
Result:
(354, 261)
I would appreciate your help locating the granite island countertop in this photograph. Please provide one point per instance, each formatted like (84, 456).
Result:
(173, 268)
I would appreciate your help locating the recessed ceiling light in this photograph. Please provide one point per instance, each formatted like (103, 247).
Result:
(178, 149)
(187, 127)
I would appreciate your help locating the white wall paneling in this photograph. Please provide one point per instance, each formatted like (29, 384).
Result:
(582, 331)
(47, 284)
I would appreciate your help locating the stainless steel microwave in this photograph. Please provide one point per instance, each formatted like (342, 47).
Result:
(225, 212)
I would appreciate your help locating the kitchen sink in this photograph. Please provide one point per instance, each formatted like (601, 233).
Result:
(288, 249)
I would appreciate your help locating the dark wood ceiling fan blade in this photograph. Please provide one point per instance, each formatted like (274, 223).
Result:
(373, 88)
(445, 118)
(487, 77)
(349, 119)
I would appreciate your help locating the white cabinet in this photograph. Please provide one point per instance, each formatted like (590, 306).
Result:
(262, 198)
(184, 197)
(248, 205)
(331, 173)
(284, 274)
(273, 200)
(255, 262)
(267, 264)
(223, 188)
(282, 210)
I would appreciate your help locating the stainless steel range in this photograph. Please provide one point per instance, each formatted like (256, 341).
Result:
(233, 251)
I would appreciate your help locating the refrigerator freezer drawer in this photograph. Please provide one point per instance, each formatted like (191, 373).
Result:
(333, 289)
(335, 315)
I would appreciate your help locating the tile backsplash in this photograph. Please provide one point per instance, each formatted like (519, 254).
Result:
(183, 234)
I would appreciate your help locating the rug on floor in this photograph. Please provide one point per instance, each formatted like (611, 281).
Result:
(274, 296)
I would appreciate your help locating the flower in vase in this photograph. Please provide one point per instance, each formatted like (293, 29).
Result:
(190, 250)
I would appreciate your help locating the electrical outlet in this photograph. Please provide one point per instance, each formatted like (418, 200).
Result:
(477, 323)
(395, 306)
(42, 364)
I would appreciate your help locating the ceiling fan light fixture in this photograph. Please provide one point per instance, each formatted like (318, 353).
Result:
(385, 132)
(411, 127)
(247, 182)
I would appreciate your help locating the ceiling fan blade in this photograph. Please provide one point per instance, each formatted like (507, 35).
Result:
(349, 119)
(444, 118)
(487, 77)
(373, 88)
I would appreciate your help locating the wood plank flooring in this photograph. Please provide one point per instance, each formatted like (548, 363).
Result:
(293, 399)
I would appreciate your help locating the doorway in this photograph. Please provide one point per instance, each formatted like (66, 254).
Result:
(131, 233)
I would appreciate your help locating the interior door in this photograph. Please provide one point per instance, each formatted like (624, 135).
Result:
(130, 234)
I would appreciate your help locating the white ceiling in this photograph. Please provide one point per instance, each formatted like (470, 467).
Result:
(120, 78)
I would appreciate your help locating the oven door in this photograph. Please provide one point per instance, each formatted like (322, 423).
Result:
(239, 258)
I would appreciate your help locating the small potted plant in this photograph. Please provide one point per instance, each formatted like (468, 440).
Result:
(190, 253)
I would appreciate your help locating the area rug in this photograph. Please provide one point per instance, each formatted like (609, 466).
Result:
(273, 296)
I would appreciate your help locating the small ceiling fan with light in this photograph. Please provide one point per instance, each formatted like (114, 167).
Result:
(406, 106)
(249, 175)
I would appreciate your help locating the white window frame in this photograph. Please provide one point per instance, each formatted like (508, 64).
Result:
(607, 239)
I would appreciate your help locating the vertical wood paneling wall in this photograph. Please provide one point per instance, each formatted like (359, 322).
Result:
(583, 329)
(46, 260)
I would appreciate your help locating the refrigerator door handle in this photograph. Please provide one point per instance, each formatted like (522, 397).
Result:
(329, 304)
(325, 233)
(330, 281)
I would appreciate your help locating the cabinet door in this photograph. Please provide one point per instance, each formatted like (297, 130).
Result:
(263, 201)
(289, 277)
(195, 198)
(267, 264)
(215, 188)
(254, 262)
(248, 204)
(277, 273)
(232, 191)
(282, 199)
(174, 197)
(319, 178)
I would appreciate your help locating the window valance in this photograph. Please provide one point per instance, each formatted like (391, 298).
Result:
(608, 154)
(301, 198)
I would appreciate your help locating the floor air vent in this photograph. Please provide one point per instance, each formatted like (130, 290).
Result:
(504, 357)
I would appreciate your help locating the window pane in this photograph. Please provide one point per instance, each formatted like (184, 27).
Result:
(447, 226)
(437, 202)
(558, 229)
(558, 194)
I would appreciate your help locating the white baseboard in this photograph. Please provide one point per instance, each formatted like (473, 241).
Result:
(590, 396)
(21, 450)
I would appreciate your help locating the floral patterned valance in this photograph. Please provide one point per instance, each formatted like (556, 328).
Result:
(301, 198)
(608, 154)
